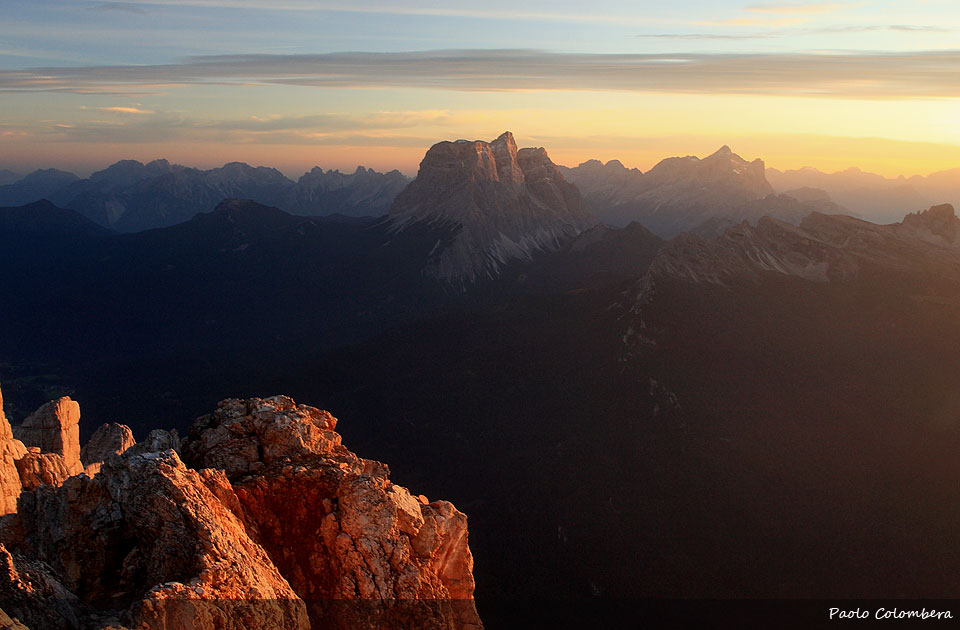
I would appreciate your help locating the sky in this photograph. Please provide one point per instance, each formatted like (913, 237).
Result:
(297, 83)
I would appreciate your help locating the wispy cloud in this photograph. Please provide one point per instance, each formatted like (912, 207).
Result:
(859, 75)
(720, 36)
(800, 32)
(800, 8)
(332, 123)
(385, 128)
(756, 21)
(125, 7)
(919, 29)
(492, 10)
(776, 14)
(126, 110)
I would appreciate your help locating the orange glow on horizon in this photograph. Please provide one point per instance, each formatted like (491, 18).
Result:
(890, 158)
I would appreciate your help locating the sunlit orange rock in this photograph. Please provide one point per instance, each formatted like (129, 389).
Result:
(107, 440)
(36, 468)
(10, 450)
(55, 428)
(270, 523)
(370, 540)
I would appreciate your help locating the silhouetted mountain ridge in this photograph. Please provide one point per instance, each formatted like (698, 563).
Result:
(44, 218)
(676, 195)
(130, 196)
(40, 184)
(874, 197)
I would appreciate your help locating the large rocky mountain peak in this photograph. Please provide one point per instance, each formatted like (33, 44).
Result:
(505, 203)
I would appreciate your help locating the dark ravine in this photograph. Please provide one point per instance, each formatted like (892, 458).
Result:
(259, 518)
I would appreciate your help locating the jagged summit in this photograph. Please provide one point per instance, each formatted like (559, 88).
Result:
(943, 211)
(129, 172)
(721, 167)
(504, 203)
(598, 166)
(130, 196)
(938, 224)
(505, 154)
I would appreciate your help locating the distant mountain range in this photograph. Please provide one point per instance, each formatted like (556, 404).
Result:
(8, 177)
(707, 195)
(45, 219)
(130, 196)
(40, 184)
(680, 194)
(871, 196)
(689, 194)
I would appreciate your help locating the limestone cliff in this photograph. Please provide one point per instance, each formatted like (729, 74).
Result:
(10, 451)
(54, 428)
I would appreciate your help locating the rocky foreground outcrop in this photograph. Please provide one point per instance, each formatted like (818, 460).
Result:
(260, 518)
(52, 432)
(10, 451)
(45, 449)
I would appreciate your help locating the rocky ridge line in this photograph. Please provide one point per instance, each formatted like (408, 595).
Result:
(823, 248)
(923, 248)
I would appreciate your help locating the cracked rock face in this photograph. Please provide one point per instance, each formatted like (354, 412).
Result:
(47, 451)
(36, 468)
(108, 440)
(374, 540)
(10, 451)
(268, 521)
(55, 428)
